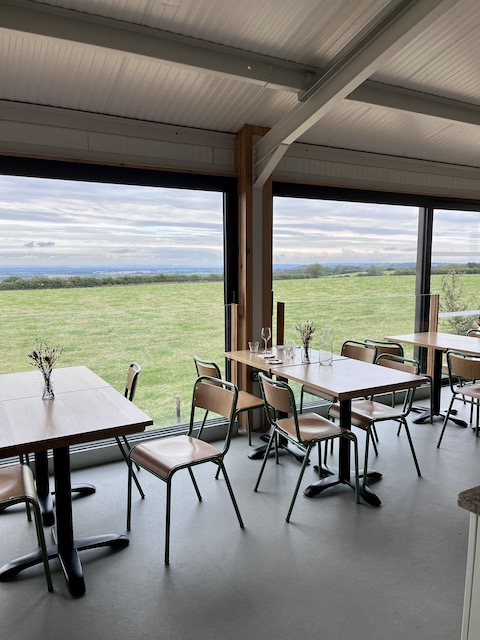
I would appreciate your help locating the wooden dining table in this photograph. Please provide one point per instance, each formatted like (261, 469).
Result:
(438, 343)
(261, 361)
(85, 409)
(344, 380)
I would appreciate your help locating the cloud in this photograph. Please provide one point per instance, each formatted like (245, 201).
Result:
(113, 224)
(39, 244)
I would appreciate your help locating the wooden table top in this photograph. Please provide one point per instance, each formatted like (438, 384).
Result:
(258, 361)
(440, 341)
(347, 378)
(85, 408)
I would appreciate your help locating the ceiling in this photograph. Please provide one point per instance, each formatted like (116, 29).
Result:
(393, 77)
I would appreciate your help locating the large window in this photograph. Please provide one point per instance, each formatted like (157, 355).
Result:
(345, 265)
(158, 254)
(456, 268)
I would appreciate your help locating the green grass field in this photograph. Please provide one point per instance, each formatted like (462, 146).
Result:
(162, 326)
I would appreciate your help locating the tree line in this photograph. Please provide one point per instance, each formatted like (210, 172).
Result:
(315, 270)
(42, 282)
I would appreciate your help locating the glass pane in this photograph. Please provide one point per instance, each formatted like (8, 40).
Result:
(345, 265)
(75, 236)
(456, 269)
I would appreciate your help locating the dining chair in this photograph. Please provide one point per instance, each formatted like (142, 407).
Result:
(246, 402)
(463, 376)
(303, 430)
(473, 333)
(396, 349)
(125, 447)
(165, 456)
(17, 485)
(368, 412)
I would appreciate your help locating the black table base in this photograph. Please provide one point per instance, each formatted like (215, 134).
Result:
(330, 477)
(284, 447)
(66, 548)
(426, 416)
(43, 489)
(69, 560)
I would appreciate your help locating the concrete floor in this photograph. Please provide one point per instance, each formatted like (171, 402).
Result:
(338, 571)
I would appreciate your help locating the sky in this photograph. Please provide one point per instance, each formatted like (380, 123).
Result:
(57, 222)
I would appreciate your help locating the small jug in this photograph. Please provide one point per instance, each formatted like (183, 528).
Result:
(326, 347)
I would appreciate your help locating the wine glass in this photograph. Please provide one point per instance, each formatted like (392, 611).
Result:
(266, 335)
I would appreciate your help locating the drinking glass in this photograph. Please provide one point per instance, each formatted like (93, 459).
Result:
(290, 347)
(326, 347)
(266, 335)
(253, 346)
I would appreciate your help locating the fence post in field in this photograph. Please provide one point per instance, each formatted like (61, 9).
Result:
(177, 402)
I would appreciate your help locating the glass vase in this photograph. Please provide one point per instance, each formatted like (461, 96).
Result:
(306, 353)
(48, 387)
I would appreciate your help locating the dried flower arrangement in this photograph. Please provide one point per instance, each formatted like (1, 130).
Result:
(44, 358)
(306, 330)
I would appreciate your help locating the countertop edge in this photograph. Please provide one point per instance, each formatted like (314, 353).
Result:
(470, 500)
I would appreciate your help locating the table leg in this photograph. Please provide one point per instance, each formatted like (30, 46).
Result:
(66, 548)
(343, 475)
(43, 488)
(67, 553)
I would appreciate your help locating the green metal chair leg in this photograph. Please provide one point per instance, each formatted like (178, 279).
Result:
(447, 415)
(199, 496)
(407, 430)
(41, 541)
(232, 495)
(300, 476)
(264, 461)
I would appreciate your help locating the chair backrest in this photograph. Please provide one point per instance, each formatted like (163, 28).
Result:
(406, 365)
(132, 377)
(463, 367)
(393, 348)
(207, 368)
(358, 350)
(278, 397)
(474, 333)
(216, 396)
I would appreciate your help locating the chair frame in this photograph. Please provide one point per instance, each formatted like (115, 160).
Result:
(289, 407)
(31, 502)
(124, 445)
(209, 394)
(474, 333)
(465, 368)
(396, 362)
(209, 368)
(396, 349)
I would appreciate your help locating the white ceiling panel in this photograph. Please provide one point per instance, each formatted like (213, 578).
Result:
(397, 133)
(307, 31)
(444, 59)
(109, 72)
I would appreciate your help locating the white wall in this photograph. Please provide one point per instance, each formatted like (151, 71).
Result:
(52, 133)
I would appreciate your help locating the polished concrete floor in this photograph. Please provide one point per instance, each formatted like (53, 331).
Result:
(338, 571)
